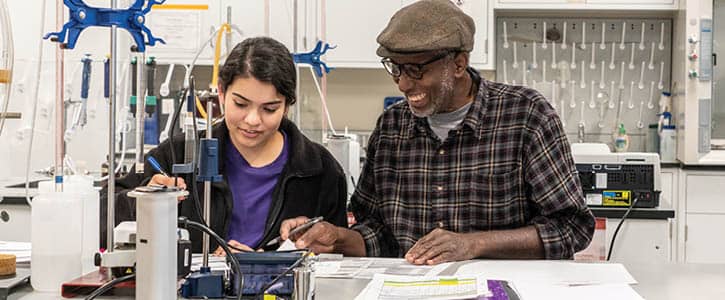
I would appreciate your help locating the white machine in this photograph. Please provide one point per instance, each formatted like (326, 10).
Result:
(346, 149)
(617, 179)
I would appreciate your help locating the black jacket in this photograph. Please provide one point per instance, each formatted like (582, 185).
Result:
(312, 184)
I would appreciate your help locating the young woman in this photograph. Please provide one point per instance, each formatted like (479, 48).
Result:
(271, 170)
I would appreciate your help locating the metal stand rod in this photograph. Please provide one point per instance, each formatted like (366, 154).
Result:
(207, 187)
(111, 207)
(140, 113)
(295, 34)
(59, 105)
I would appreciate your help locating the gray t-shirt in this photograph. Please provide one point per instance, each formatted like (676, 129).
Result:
(442, 123)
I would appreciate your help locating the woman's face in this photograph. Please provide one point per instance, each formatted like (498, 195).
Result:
(253, 111)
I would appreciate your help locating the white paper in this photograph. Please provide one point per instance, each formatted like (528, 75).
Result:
(366, 268)
(549, 272)
(287, 245)
(391, 287)
(589, 292)
(21, 250)
(216, 263)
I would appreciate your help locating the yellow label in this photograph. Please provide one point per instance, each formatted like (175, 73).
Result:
(181, 7)
(5, 76)
(270, 297)
(616, 198)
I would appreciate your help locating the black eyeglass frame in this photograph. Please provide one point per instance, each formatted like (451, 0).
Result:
(413, 71)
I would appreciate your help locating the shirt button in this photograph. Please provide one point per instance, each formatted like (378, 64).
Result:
(439, 188)
(442, 152)
(440, 224)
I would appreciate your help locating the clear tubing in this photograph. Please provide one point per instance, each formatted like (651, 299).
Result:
(35, 103)
(6, 62)
(59, 108)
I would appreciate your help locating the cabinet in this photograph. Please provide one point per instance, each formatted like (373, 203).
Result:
(704, 216)
(354, 26)
(589, 4)
(251, 18)
(641, 240)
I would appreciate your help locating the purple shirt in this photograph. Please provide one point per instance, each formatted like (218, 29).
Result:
(252, 193)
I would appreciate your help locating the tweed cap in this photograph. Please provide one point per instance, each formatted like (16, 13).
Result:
(427, 25)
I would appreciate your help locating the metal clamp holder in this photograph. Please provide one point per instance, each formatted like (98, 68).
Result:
(313, 58)
(83, 16)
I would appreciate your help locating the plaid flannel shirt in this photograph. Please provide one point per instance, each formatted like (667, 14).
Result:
(506, 165)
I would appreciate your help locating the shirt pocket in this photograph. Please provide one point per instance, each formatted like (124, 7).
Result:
(498, 200)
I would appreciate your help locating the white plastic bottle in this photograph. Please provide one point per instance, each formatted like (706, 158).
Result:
(64, 232)
(668, 143)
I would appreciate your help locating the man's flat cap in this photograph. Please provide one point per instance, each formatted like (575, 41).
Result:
(427, 25)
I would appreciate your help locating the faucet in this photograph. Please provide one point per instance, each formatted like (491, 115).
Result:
(580, 132)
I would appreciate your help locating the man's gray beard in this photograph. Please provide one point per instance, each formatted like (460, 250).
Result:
(444, 92)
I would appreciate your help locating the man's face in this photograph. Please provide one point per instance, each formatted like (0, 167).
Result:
(430, 89)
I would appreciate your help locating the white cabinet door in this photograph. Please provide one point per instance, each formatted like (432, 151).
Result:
(588, 4)
(482, 14)
(250, 17)
(703, 238)
(705, 193)
(353, 26)
(640, 240)
(649, 2)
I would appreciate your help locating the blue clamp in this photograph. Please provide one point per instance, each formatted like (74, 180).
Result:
(83, 16)
(313, 58)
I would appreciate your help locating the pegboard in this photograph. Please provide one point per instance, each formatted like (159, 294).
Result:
(587, 67)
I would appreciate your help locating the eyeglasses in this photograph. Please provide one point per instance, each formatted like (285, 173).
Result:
(413, 71)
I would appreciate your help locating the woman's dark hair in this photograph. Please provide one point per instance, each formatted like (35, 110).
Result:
(266, 60)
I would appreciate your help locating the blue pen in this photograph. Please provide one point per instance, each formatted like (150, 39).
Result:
(156, 166)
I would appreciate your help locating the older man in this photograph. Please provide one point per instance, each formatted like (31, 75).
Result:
(465, 168)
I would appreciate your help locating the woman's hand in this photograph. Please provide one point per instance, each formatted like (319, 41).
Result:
(159, 179)
(220, 251)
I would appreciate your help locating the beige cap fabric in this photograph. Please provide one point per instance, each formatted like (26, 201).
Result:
(427, 25)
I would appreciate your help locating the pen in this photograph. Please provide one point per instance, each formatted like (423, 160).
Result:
(299, 229)
(156, 166)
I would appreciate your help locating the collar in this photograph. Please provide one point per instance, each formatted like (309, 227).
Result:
(304, 157)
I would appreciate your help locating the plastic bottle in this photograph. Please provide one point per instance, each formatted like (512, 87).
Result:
(621, 141)
(653, 139)
(64, 232)
(668, 143)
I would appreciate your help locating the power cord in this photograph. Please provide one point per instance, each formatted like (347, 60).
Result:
(185, 222)
(616, 231)
(109, 285)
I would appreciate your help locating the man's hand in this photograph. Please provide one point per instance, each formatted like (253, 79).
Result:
(159, 179)
(441, 246)
(220, 251)
(320, 238)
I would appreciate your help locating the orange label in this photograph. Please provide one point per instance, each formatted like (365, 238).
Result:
(5, 76)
